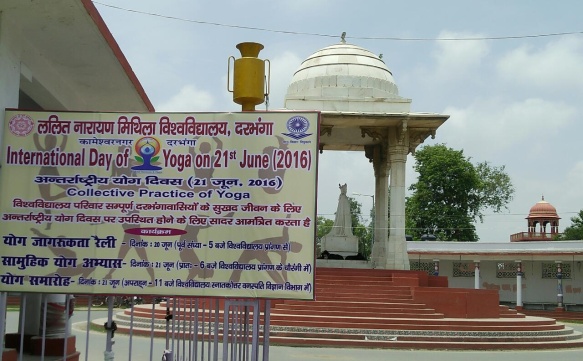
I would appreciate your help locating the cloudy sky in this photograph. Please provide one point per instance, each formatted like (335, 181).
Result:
(514, 100)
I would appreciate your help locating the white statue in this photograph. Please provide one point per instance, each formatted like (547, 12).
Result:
(340, 240)
(343, 221)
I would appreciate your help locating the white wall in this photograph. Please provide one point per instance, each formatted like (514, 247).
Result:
(535, 288)
(9, 72)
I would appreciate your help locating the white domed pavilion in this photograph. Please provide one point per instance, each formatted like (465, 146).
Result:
(361, 110)
(345, 77)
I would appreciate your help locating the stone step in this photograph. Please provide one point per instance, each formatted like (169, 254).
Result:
(355, 280)
(408, 324)
(278, 314)
(375, 308)
(396, 323)
(431, 339)
(431, 336)
(364, 314)
(354, 304)
(367, 272)
(360, 289)
(512, 315)
(360, 297)
(558, 315)
(327, 316)
(9, 355)
(352, 307)
(506, 312)
(340, 284)
(426, 345)
(402, 328)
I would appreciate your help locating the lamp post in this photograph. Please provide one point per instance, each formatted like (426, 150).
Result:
(367, 195)
(373, 207)
(374, 211)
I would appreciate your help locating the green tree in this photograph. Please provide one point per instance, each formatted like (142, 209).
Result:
(496, 189)
(451, 194)
(360, 230)
(575, 230)
(323, 227)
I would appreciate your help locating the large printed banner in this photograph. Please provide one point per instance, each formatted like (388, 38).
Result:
(200, 204)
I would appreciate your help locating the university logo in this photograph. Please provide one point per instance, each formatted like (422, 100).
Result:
(147, 149)
(21, 125)
(297, 127)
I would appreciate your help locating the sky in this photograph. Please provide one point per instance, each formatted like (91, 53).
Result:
(514, 99)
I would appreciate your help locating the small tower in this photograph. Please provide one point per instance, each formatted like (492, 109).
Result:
(541, 215)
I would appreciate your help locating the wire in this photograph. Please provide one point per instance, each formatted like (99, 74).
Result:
(479, 38)
(211, 23)
(484, 215)
(289, 32)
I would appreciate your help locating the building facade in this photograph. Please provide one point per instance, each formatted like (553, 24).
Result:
(498, 266)
(532, 269)
(60, 56)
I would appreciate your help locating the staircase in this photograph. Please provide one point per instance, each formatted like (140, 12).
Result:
(381, 309)
(367, 308)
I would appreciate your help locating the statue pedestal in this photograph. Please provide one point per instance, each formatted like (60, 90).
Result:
(340, 245)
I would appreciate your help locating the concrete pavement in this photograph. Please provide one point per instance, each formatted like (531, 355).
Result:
(142, 347)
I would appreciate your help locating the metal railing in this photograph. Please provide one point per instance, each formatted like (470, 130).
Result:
(532, 236)
(183, 329)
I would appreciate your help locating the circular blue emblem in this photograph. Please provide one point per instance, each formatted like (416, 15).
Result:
(298, 124)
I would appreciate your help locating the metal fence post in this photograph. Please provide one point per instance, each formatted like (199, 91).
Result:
(110, 327)
(3, 308)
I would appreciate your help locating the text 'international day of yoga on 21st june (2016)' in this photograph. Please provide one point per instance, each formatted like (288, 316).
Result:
(199, 204)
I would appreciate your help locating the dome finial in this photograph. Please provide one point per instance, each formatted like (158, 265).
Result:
(343, 37)
(543, 197)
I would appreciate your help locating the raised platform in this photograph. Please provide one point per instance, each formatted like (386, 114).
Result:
(390, 309)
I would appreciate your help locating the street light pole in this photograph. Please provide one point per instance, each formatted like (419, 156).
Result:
(374, 212)
(366, 195)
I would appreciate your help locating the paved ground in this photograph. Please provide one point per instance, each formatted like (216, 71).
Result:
(142, 347)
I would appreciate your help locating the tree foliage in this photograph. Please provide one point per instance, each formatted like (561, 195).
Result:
(575, 230)
(496, 189)
(323, 227)
(451, 194)
(360, 230)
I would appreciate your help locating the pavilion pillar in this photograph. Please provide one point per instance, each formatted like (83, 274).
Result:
(519, 303)
(29, 323)
(381, 218)
(477, 274)
(560, 306)
(436, 267)
(10, 72)
(397, 257)
(32, 318)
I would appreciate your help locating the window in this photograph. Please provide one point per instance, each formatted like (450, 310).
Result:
(422, 266)
(506, 269)
(464, 269)
(550, 270)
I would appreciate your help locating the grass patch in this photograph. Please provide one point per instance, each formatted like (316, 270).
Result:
(98, 328)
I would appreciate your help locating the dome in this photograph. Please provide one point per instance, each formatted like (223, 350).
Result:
(543, 209)
(345, 77)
